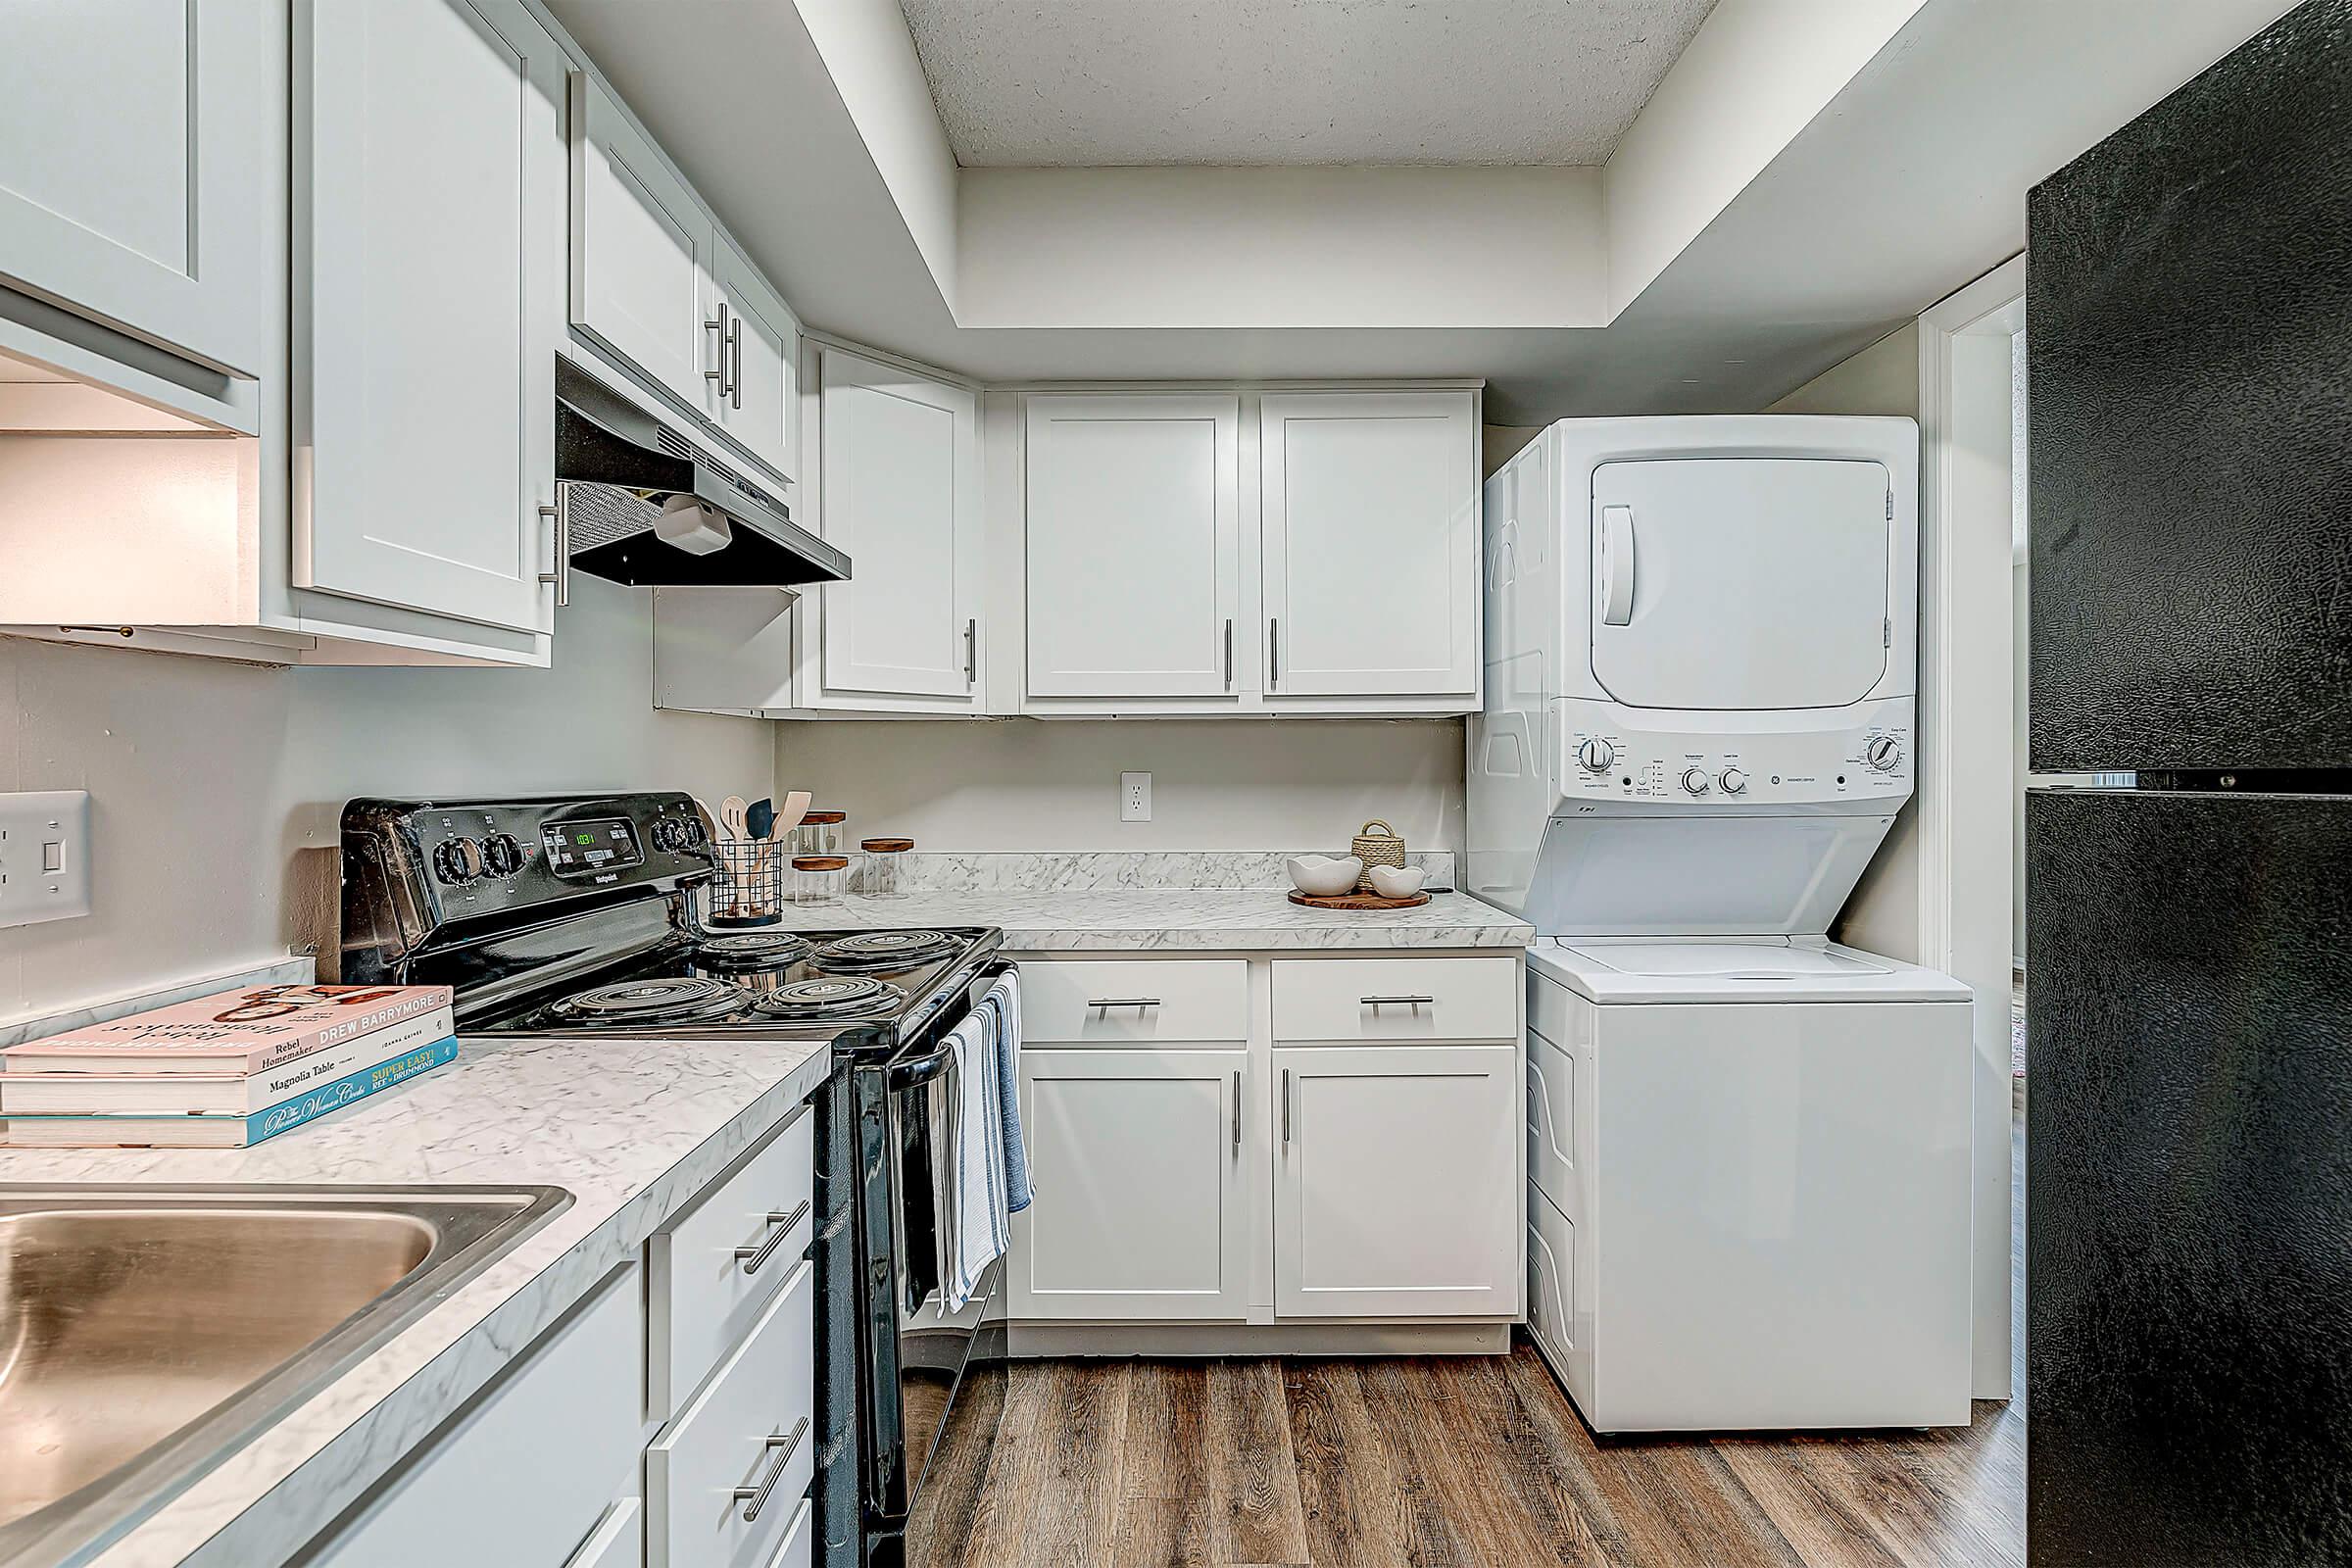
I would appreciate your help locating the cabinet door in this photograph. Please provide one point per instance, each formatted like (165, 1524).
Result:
(1368, 542)
(759, 406)
(133, 139)
(1133, 545)
(1137, 1156)
(641, 253)
(899, 490)
(1396, 1188)
(427, 319)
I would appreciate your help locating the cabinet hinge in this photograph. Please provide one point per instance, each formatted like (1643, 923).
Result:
(1890, 505)
(1886, 633)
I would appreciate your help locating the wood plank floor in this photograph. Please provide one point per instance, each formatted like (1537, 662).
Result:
(1460, 1462)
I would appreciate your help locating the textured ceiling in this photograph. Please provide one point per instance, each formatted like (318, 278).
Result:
(1099, 82)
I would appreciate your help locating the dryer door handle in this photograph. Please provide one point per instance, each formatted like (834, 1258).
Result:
(1616, 566)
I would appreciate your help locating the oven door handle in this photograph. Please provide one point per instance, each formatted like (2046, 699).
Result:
(905, 1075)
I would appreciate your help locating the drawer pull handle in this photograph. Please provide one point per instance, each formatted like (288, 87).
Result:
(1236, 1111)
(779, 1226)
(1286, 1108)
(755, 1498)
(1377, 1003)
(1106, 1003)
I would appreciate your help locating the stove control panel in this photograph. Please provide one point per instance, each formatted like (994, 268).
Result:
(421, 864)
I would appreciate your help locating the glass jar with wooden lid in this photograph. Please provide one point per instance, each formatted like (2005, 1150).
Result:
(885, 872)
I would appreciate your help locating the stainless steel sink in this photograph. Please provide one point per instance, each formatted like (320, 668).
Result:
(145, 1333)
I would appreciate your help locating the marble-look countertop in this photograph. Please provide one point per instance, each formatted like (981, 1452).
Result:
(1158, 919)
(632, 1131)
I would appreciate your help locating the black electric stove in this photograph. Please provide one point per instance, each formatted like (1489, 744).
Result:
(579, 919)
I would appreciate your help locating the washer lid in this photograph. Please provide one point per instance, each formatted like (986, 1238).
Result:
(1761, 970)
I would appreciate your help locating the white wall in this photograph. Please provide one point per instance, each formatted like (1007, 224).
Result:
(1053, 784)
(216, 787)
(1883, 916)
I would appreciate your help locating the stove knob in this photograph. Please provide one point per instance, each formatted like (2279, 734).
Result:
(690, 831)
(501, 855)
(1696, 780)
(1597, 756)
(1883, 753)
(1734, 781)
(665, 835)
(456, 860)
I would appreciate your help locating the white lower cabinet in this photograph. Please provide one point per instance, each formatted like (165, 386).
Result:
(569, 1457)
(723, 1483)
(1268, 1141)
(528, 1472)
(1397, 1189)
(1142, 1212)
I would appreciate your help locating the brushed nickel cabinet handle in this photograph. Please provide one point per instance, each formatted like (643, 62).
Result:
(1101, 1004)
(718, 326)
(1236, 1111)
(784, 1447)
(779, 1226)
(1273, 652)
(1396, 1002)
(735, 351)
(1286, 1106)
(971, 651)
(561, 516)
(1228, 653)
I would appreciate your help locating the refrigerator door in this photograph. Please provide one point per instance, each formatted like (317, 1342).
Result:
(2189, 334)
(2190, 1179)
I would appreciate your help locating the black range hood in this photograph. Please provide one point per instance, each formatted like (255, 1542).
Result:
(618, 464)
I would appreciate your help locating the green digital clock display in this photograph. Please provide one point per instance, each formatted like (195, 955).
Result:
(591, 847)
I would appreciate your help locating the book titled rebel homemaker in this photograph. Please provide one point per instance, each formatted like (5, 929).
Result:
(221, 1072)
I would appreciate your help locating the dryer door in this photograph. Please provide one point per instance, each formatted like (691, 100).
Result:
(1740, 582)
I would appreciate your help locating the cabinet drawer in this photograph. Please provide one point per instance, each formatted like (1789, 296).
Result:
(704, 1294)
(1397, 999)
(1152, 1002)
(751, 1430)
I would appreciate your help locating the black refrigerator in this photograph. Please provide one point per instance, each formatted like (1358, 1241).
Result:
(2188, 320)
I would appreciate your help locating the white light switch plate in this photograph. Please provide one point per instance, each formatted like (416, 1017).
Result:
(44, 855)
(1135, 797)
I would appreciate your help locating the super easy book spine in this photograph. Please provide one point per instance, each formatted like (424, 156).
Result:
(317, 1103)
(264, 1090)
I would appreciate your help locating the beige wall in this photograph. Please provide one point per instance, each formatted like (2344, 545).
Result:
(1883, 916)
(216, 787)
(1054, 784)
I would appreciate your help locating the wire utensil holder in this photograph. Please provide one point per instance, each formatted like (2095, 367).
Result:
(749, 889)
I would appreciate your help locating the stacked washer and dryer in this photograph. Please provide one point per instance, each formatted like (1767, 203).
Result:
(1748, 1149)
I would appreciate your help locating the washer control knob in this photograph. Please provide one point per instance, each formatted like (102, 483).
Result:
(456, 860)
(1696, 780)
(1734, 781)
(1883, 753)
(1597, 756)
(502, 856)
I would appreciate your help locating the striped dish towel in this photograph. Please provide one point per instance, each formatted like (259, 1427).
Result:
(975, 1224)
(1005, 1000)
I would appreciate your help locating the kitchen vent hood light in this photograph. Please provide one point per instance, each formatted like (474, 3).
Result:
(631, 482)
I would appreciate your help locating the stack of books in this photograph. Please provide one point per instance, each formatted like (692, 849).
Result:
(222, 1072)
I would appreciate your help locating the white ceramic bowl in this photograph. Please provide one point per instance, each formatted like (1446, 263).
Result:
(1323, 876)
(1397, 881)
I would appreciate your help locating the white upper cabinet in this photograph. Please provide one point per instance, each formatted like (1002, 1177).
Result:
(1133, 545)
(899, 489)
(758, 396)
(1368, 542)
(427, 322)
(1396, 1188)
(642, 254)
(133, 139)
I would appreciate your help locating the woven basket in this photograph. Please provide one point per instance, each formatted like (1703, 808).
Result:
(1383, 848)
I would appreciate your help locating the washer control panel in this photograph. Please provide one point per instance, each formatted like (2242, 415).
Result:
(1605, 754)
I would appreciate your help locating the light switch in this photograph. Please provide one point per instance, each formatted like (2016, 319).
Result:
(44, 855)
(1135, 797)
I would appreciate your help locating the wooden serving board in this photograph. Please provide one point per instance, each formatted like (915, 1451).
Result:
(1357, 901)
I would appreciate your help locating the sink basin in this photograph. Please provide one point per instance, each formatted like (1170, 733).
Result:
(145, 1333)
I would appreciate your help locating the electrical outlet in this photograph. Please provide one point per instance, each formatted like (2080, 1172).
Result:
(1135, 797)
(44, 855)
